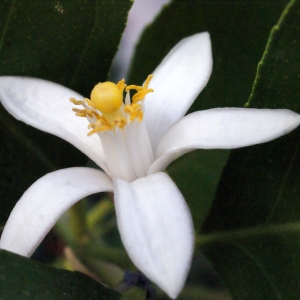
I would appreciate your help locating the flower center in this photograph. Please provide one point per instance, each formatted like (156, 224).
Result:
(106, 110)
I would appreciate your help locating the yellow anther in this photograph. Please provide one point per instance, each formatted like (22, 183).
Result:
(142, 91)
(77, 102)
(120, 122)
(100, 125)
(107, 97)
(135, 111)
(89, 102)
(85, 101)
(86, 112)
(148, 81)
(121, 85)
(83, 112)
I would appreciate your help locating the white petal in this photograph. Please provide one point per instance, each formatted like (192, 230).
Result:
(45, 105)
(177, 81)
(44, 202)
(139, 147)
(156, 229)
(116, 155)
(222, 128)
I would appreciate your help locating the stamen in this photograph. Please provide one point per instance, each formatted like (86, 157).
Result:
(142, 91)
(77, 102)
(135, 111)
(83, 112)
(89, 102)
(83, 102)
(120, 122)
(86, 112)
(100, 125)
(121, 85)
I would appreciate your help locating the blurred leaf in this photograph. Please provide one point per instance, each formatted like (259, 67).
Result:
(258, 196)
(69, 42)
(239, 30)
(22, 278)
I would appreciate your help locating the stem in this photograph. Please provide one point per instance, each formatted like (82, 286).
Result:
(248, 232)
(99, 212)
(77, 220)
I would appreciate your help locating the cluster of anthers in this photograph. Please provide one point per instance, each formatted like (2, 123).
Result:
(106, 110)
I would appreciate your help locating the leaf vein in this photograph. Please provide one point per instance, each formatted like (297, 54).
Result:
(7, 23)
(284, 181)
(259, 266)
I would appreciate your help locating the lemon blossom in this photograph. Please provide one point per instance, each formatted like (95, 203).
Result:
(132, 141)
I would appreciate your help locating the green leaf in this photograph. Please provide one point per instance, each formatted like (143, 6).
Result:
(278, 75)
(22, 278)
(257, 207)
(69, 42)
(235, 61)
(197, 175)
(258, 263)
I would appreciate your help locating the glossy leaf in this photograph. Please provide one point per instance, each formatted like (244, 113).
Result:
(259, 264)
(69, 42)
(238, 30)
(257, 208)
(23, 278)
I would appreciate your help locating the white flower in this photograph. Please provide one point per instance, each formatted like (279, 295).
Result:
(133, 145)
